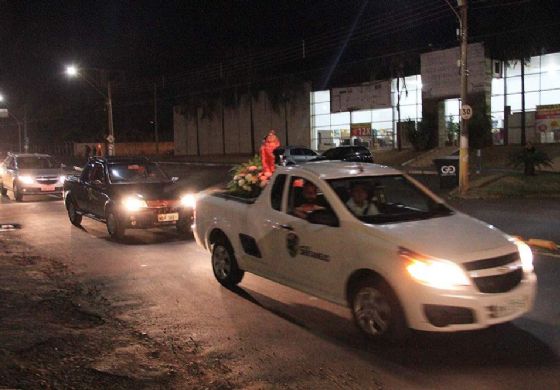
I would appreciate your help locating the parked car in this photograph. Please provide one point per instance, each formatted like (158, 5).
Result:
(31, 174)
(291, 155)
(369, 237)
(127, 193)
(348, 153)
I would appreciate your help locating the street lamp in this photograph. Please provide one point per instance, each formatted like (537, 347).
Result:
(73, 71)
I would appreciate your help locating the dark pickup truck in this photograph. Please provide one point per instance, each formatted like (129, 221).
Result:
(127, 193)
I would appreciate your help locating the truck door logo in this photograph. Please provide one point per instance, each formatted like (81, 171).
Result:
(292, 243)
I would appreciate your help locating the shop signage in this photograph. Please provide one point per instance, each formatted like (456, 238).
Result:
(547, 123)
(361, 97)
(360, 130)
(441, 76)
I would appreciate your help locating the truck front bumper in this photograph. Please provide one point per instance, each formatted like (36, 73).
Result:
(150, 218)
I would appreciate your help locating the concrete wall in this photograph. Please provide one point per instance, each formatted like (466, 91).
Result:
(129, 148)
(291, 122)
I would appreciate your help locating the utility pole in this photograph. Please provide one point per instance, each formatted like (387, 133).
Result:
(156, 127)
(111, 138)
(464, 139)
(25, 137)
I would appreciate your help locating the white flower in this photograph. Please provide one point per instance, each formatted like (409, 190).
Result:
(247, 188)
(241, 183)
(236, 177)
(248, 177)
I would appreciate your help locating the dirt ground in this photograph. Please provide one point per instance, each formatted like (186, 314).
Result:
(56, 332)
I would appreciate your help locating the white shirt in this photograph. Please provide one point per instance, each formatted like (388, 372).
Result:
(367, 208)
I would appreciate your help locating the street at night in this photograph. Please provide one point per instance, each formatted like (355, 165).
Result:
(264, 335)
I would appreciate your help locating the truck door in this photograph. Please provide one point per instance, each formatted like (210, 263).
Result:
(309, 254)
(79, 191)
(97, 190)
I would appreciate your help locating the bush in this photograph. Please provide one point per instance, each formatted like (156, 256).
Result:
(419, 135)
(530, 158)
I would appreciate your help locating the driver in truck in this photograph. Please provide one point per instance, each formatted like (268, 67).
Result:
(310, 201)
(360, 203)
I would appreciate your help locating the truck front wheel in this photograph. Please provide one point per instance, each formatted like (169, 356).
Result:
(224, 264)
(377, 311)
(73, 216)
(114, 226)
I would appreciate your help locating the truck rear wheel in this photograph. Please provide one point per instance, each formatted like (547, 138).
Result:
(18, 195)
(224, 264)
(377, 312)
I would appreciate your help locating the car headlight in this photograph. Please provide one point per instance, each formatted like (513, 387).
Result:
(525, 254)
(2, 170)
(437, 273)
(26, 179)
(188, 201)
(61, 179)
(134, 204)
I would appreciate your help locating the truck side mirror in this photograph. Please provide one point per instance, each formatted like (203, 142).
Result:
(323, 217)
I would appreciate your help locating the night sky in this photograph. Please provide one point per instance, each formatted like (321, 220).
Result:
(145, 40)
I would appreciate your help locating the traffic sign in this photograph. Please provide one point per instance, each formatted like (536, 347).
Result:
(466, 112)
(110, 138)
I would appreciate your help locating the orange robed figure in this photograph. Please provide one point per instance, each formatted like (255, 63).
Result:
(270, 143)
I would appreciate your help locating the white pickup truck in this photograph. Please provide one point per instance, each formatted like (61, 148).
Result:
(370, 237)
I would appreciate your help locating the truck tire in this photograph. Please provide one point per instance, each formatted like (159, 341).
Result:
(224, 264)
(18, 195)
(377, 311)
(114, 226)
(183, 227)
(3, 190)
(73, 216)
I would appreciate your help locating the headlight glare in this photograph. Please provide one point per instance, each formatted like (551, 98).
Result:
(526, 255)
(433, 272)
(134, 204)
(188, 201)
(61, 179)
(26, 179)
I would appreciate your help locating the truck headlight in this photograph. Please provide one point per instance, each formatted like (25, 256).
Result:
(26, 179)
(134, 204)
(526, 255)
(434, 272)
(188, 201)
(61, 179)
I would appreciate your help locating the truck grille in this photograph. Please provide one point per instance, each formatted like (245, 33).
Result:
(493, 279)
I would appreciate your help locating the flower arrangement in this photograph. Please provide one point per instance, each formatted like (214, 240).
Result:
(249, 178)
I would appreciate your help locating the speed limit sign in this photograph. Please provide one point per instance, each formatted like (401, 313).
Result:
(466, 112)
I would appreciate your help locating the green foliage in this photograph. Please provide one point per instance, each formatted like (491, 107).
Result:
(453, 130)
(530, 158)
(248, 178)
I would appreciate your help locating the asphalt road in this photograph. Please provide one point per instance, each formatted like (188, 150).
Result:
(267, 335)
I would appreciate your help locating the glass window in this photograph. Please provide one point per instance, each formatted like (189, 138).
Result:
(550, 79)
(532, 100)
(36, 163)
(394, 199)
(498, 86)
(322, 120)
(340, 118)
(277, 191)
(363, 116)
(97, 173)
(408, 112)
(321, 96)
(497, 103)
(550, 63)
(514, 101)
(305, 197)
(514, 85)
(136, 172)
(550, 97)
(532, 82)
(382, 115)
(322, 108)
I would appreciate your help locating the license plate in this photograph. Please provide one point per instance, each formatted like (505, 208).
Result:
(168, 217)
(48, 188)
(509, 307)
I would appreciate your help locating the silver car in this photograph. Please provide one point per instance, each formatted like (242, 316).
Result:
(30, 174)
(291, 155)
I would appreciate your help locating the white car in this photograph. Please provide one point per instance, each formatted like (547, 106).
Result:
(31, 174)
(402, 259)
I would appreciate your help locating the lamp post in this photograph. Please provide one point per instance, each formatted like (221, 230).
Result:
(73, 71)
